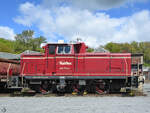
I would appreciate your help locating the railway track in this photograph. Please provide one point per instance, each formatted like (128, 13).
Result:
(33, 94)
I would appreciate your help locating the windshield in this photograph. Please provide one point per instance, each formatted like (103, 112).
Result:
(66, 49)
(60, 49)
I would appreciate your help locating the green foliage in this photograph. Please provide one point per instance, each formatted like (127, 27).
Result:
(134, 47)
(146, 65)
(90, 50)
(22, 42)
(6, 45)
(26, 41)
(113, 47)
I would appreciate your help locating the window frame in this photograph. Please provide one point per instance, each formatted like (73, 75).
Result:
(63, 49)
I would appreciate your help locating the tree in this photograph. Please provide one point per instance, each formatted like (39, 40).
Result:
(37, 42)
(6, 45)
(26, 41)
(90, 50)
(113, 47)
(133, 47)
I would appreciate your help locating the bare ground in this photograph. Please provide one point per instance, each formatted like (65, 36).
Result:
(77, 104)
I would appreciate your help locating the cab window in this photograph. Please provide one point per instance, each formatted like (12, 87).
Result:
(60, 49)
(65, 49)
(52, 49)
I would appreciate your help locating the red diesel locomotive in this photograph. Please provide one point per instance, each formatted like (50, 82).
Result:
(69, 68)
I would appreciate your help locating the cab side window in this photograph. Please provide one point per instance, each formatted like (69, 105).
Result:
(52, 49)
(77, 48)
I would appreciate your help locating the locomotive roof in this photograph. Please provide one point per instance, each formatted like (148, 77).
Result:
(101, 54)
(6, 55)
(10, 56)
(31, 52)
(55, 43)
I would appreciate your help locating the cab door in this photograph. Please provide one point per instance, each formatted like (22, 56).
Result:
(50, 59)
(64, 60)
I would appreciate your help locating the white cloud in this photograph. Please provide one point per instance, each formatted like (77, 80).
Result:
(7, 33)
(36, 15)
(135, 28)
(94, 29)
(84, 4)
(89, 4)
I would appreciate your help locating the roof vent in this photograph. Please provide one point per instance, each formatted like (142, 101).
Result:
(61, 41)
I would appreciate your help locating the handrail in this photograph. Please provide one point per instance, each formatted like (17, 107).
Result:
(8, 72)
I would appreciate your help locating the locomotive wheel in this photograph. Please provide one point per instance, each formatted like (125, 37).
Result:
(35, 88)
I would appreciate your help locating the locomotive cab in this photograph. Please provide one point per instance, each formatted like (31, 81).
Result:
(61, 57)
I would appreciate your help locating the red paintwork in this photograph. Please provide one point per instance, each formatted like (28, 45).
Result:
(76, 64)
(9, 67)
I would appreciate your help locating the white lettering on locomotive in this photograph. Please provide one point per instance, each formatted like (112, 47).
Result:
(64, 68)
(65, 63)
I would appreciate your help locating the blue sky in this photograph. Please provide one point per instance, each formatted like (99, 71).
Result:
(129, 10)
(96, 24)
(9, 10)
